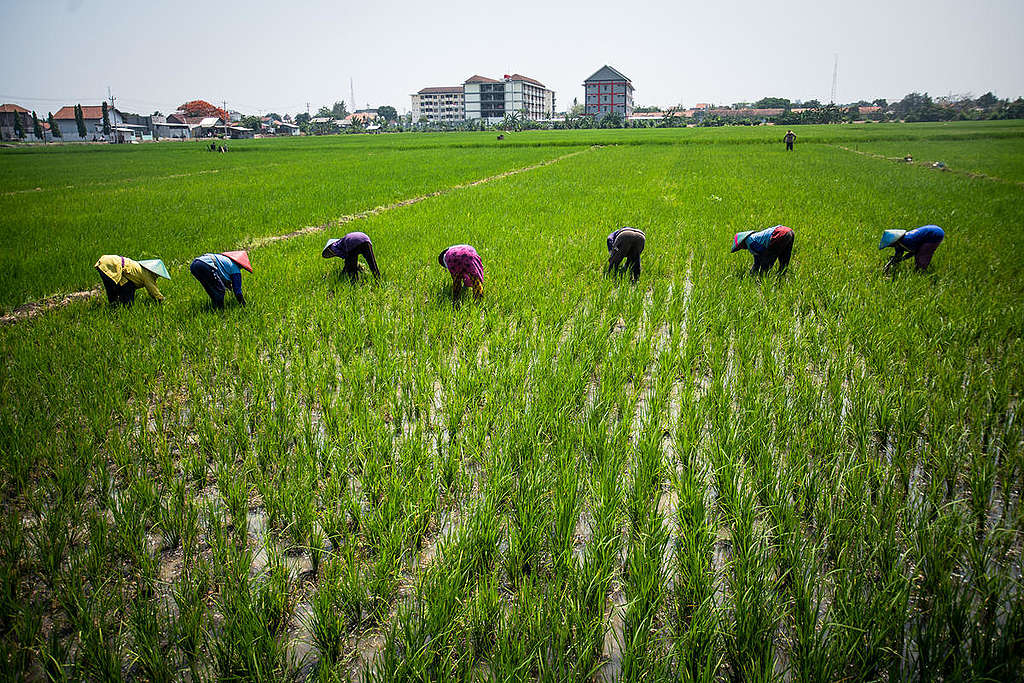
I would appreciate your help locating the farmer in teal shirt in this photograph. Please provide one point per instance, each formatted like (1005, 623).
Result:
(767, 246)
(216, 272)
(920, 243)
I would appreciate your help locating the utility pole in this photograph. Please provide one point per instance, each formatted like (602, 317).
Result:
(307, 108)
(835, 76)
(352, 93)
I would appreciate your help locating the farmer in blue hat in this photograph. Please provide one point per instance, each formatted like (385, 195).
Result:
(350, 248)
(920, 243)
(121, 276)
(216, 272)
(768, 246)
(625, 244)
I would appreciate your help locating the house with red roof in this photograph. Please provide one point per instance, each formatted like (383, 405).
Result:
(8, 112)
(93, 117)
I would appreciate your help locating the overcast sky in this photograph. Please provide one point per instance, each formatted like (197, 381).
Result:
(263, 56)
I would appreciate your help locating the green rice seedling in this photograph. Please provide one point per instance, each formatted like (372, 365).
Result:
(150, 650)
(190, 591)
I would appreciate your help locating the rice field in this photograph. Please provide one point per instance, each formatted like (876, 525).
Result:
(703, 476)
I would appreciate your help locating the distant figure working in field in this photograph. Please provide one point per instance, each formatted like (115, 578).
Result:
(789, 139)
(122, 276)
(767, 246)
(625, 244)
(920, 243)
(465, 267)
(349, 248)
(216, 272)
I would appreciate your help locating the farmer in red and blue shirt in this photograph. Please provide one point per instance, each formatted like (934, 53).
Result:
(627, 244)
(920, 243)
(767, 246)
(349, 248)
(216, 272)
(465, 267)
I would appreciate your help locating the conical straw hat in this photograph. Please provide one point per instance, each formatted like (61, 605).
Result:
(239, 257)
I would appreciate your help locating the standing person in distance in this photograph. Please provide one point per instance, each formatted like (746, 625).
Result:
(465, 267)
(350, 248)
(122, 276)
(789, 139)
(768, 246)
(920, 243)
(625, 244)
(216, 272)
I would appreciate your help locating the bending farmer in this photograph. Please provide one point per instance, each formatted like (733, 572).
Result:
(349, 248)
(122, 276)
(767, 246)
(216, 272)
(465, 267)
(625, 243)
(920, 243)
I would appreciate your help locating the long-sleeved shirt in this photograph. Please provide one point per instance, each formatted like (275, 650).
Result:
(913, 240)
(611, 237)
(345, 246)
(122, 270)
(759, 241)
(228, 270)
(462, 261)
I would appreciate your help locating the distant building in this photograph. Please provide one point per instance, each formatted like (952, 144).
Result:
(8, 112)
(445, 104)
(285, 128)
(235, 116)
(93, 116)
(491, 99)
(608, 91)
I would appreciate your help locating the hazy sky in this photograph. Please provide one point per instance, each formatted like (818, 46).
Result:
(263, 56)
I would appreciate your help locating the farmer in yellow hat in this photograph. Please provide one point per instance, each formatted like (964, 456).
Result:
(768, 246)
(625, 244)
(920, 243)
(121, 276)
(216, 272)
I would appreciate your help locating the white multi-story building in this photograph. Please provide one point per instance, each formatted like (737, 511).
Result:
(485, 98)
(444, 104)
(490, 99)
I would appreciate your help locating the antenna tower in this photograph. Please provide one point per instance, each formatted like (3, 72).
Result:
(835, 77)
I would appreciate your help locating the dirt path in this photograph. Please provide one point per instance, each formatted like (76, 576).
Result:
(928, 164)
(37, 308)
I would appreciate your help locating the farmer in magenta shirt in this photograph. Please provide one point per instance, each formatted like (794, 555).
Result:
(920, 243)
(465, 267)
(349, 248)
(767, 246)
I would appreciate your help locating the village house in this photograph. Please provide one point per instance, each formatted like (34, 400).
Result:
(8, 112)
(93, 117)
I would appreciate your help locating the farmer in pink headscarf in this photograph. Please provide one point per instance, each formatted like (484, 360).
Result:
(465, 267)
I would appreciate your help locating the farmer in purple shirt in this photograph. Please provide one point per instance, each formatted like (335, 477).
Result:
(349, 248)
(768, 246)
(920, 243)
(465, 267)
(625, 244)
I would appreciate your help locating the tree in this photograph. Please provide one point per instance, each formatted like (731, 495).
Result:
(106, 119)
(324, 113)
(646, 110)
(252, 122)
(302, 119)
(54, 128)
(612, 119)
(987, 101)
(387, 113)
(880, 102)
(339, 111)
(19, 129)
(156, 113)
(205, 109)
(37, 129)
(812, 104)
(80, 121)
(772, 103)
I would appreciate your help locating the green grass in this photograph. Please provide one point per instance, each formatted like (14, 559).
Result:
(703, 476)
